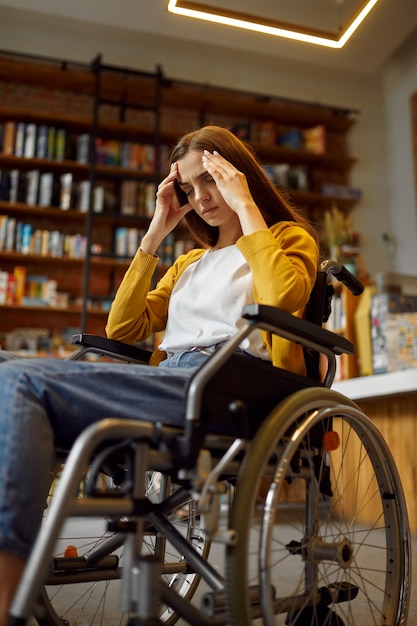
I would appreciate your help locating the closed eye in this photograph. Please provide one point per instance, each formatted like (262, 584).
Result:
(187, 190)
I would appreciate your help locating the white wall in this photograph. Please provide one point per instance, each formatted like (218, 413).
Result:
(399, 83)
(380, 140)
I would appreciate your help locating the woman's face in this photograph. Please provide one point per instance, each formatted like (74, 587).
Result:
(202, 192)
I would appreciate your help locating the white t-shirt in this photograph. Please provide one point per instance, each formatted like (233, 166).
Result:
(206, 304)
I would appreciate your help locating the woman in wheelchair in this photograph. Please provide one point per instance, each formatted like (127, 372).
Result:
(254, 247)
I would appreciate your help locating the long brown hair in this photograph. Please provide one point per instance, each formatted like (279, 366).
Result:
(270, 201)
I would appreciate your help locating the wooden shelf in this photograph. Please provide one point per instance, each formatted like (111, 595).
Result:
(70, 310)
(97, 261)
(319, 201)
(140, 87)
(146, 108)
(267, 152)
(209, 99)
(277, 154)
(8, 161)
(20, 209)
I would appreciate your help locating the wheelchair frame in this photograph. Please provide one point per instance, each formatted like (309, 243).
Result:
(306, 437)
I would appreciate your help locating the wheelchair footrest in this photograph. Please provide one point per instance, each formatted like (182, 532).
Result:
(338, 592)
(66, 564)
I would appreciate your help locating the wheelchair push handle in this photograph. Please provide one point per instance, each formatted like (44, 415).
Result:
(343, 275)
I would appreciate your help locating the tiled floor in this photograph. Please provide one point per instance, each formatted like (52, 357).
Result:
(412, 616)
(84, 533)
(216, 560)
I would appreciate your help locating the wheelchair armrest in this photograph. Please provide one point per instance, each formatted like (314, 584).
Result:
(109, 347)
(302, 328)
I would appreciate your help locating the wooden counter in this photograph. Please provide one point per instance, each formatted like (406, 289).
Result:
(390, 400)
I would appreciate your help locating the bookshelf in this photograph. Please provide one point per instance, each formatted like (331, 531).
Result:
(116, 127)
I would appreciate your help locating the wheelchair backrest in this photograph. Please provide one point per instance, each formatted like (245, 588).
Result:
(319, 305)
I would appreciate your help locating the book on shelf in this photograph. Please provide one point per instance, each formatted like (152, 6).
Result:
(243, 130)
(126, 241)
(362, 325)
(166, 250)
(4, 279)
(42, 142)
(46, 189)
(107, 152)
(66, 190)
(164, 157)
(98, 199)
(266, 132)
(83, 196)
(129, 197)
(135, 156)
(22, 187)
(56, 243)
(19, 274)
(149, 200)
(9, 133)
(83, 148)
(29, 140)
(134, 235)
(14, 186)
(126, 154)
(10, 235)
(291, 138)
(26, 239)
(340, 191)
(3, 226)
(60, 144)
(36, 241)
(148, 159)
(4, 185)
(29, 149)
(298, 178)
(32, 187)
(315, 139)
(50, 146)
(121, 241)
(19, 141)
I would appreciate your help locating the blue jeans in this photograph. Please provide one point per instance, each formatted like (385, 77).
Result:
(45, 402)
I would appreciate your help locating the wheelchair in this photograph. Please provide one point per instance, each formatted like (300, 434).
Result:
(287, 481)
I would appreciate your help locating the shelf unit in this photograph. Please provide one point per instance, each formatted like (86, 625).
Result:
(124, 105)
(342, 322)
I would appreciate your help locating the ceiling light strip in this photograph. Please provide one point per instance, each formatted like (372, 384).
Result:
(357, 22)
(267, 26)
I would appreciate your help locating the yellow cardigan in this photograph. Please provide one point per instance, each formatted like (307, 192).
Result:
(283, 261)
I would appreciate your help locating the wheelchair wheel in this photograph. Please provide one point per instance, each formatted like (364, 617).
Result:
(321, 521)
(84, 581)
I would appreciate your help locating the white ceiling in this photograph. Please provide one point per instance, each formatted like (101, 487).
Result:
(388, 25)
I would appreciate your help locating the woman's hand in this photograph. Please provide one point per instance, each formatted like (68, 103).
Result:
(234, 188)
(167, 215)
